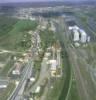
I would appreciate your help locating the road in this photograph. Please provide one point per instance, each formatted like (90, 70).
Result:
(27, 72)
(16, 94)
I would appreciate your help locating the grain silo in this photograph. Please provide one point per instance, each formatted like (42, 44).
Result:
(83, 36)
(75, 35)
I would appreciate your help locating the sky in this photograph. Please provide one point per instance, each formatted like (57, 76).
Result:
(5, 1)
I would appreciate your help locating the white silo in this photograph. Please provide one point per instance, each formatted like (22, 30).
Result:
(88, 39)
(70, 28)
(76, 35)
(83, 36)
(76, 27)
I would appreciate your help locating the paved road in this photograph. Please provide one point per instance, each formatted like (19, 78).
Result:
(27, 72)
(25, 76)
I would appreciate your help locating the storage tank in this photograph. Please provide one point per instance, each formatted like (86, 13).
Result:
(73, 27)
(70, 28)
(76, 35)
(76, 27)
(83, 36)
(88, 39)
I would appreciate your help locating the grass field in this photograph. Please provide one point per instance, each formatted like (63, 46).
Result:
(73, 92)
(3, 57)
(54, 93)
(12, 32)
(6, 93)
(6, 25)
(8, 65)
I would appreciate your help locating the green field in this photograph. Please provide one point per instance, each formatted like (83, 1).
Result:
(73, 94)
(6, 93)
(6, 25)
(9, 64)
(53, 94)
(12, 33)
(4, 57)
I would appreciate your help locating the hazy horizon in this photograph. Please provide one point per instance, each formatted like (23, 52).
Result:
(17, 1)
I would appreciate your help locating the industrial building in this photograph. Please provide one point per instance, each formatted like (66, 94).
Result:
(79, 35)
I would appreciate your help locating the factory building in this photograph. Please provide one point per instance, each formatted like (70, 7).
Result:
(79, 35)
